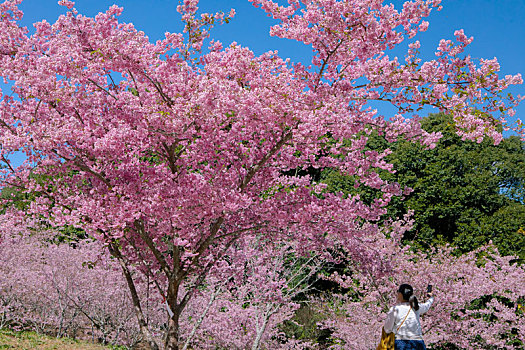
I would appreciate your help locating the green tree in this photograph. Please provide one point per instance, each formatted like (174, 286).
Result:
(464, 193)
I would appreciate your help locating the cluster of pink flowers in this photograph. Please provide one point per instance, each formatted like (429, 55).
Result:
(63, 289)
(479, 297)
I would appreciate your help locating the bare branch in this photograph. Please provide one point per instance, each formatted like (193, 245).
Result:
(145, 264)
(203, 315)
(253, 170)
(204, 273)
(115, 251)
(157, 86)
(101, 88)
(139, 227)
(256, 227)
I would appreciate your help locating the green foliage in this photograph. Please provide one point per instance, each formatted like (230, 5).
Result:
(69, 234)
(20, 199)
(12, 196)
(464, 193)
(304, 326)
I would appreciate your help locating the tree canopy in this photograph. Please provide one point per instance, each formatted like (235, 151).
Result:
(463, 192)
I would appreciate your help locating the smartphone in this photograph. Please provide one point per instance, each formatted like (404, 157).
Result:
(429, 288)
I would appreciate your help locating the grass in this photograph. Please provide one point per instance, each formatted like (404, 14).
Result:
(30, 340)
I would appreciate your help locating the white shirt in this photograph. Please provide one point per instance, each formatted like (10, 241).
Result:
(411, 328)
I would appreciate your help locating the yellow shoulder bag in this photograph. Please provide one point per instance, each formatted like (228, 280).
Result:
(388, 339)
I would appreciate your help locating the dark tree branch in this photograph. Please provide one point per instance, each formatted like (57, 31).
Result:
(139, 227)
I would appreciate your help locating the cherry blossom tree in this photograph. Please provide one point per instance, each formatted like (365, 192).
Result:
(479, 297)
(75, 289)
(250, 295)
(169, 154)
(65, 289)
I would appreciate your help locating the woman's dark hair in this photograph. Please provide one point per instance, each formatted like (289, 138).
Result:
(407, 292)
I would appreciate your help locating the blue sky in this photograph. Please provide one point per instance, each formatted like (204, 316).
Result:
(497, 27)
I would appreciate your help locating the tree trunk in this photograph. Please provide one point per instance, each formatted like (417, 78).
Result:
(175, 310)
(114, 250)
(172, 335)
(260, 330)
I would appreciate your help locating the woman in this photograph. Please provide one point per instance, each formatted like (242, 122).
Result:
(403, 319)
